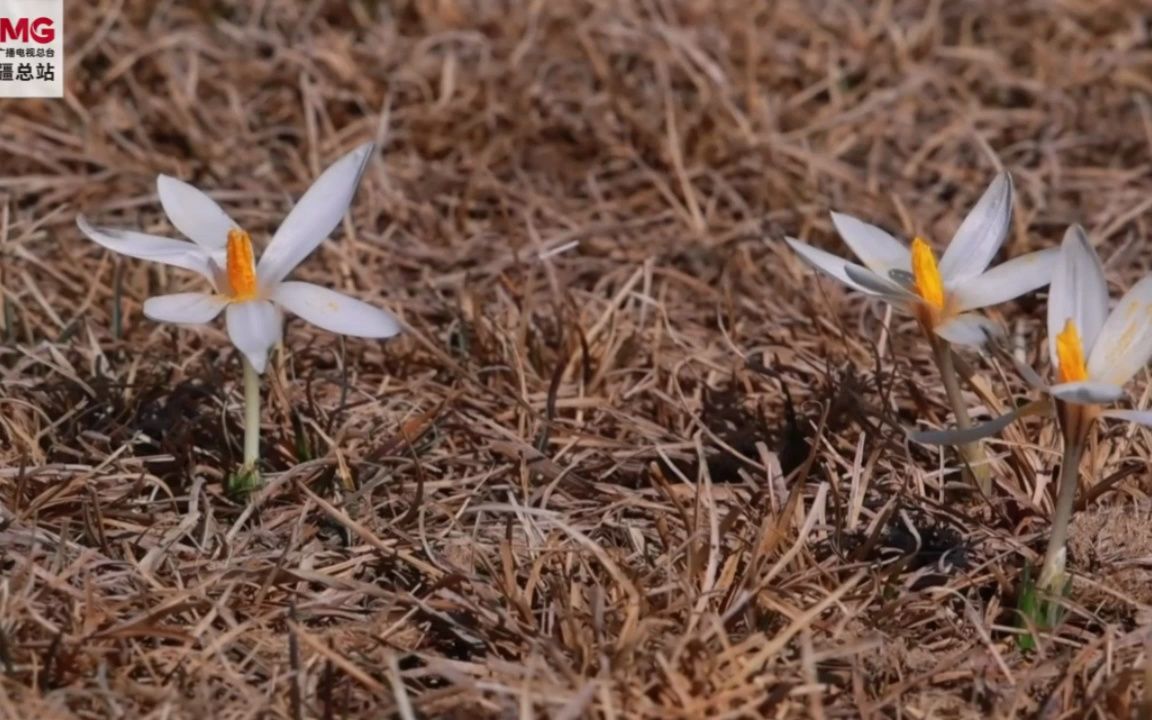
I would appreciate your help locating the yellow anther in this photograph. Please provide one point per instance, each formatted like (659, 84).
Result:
(241, 265)
(929, 285)
(1070, 355)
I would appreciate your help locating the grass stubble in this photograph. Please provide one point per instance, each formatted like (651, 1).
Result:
(631, 459)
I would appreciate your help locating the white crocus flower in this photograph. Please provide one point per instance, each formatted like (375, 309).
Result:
(940, 295)
(1094, 352)
(252, 294)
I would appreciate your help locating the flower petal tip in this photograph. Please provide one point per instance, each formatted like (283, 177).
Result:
(259, 363)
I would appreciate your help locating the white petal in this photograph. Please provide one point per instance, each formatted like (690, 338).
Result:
(1143, 417)
(1087, 392)
(877, 285)
(1078, 292)
(968, 329)
(981, 234)
(191, 308)
(826, 262)
(1007, 281)
(193, 213)
(334, 311)
(876, 248)
(1124, 344)
(254, 327)
(151, 247)
(315, 216)
(963, 437)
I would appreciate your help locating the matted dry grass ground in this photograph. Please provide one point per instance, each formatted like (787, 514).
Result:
(575, 487)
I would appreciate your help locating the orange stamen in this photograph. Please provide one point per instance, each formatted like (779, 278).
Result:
(929, 284)
(241, 265)
(1070, 355)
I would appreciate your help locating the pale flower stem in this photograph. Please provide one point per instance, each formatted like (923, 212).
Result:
(973, 452)
(1052, 572)
(251, 416)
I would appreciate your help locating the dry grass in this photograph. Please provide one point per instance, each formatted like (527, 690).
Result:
(574, 488)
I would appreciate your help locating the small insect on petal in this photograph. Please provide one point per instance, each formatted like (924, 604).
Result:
(241, 266)
(929, 284)
(1070, 355)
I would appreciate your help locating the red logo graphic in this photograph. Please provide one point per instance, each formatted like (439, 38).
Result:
(39, 30)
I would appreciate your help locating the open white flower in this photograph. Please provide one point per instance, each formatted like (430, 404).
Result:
(939, 295)
(1094, 352)
(252, 294)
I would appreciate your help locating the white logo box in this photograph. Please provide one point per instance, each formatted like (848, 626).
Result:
(31, 48)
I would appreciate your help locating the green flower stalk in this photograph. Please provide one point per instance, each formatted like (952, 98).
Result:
(974, 454)
(1074, 427)
(248, 477)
